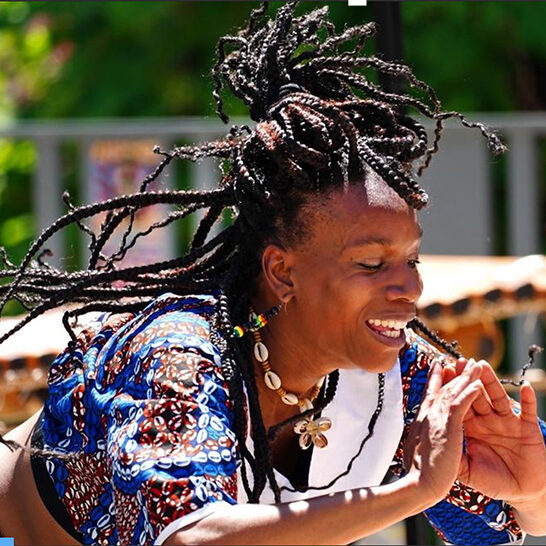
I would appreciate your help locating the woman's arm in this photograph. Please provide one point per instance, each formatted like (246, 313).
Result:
(531, 515)
(347, 516)
(339, 518)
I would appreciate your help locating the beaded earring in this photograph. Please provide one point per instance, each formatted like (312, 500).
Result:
(256, 322)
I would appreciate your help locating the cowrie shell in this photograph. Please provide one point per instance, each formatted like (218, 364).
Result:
(272, 380)
(321, 424)
(306, 405)
(260, 352)
(290, 398)
(301, 426)
(320, 441)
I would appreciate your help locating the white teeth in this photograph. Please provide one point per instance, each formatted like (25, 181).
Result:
(393, 333)
(394, 324)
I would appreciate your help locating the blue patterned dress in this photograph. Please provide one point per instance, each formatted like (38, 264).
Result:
(144, 409)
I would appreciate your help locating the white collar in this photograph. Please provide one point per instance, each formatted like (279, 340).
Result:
(350, 411)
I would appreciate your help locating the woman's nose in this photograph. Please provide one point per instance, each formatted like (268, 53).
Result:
(406, 285)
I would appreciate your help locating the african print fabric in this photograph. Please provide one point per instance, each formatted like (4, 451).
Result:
(143, 410)
(143, 403)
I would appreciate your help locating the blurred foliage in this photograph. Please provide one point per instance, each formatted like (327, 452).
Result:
(87, 59)
(17, 160)
(479, 55)
(30, 57)
(134, 58)
(542, 193)
(126, 59)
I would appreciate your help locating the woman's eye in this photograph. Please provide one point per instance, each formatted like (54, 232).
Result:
(371, 266)
(413, 263)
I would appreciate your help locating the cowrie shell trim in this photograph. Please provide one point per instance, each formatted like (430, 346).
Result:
(260, 352)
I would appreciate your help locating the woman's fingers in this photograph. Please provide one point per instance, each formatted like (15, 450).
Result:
(436, 436)
(528, 402)
(459, 392)
(471, 371)
(482, 405)
(465, 389)
(448, 373)
(500, 401)
(494, 397)
(461, 364)
(434, 379)
(462, 390)
(464, 400)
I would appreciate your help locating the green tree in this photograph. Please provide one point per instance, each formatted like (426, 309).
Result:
(479, 56)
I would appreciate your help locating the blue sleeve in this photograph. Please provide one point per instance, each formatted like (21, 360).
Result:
(466, 516)
(171, 445)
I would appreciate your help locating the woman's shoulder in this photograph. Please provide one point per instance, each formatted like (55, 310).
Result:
(171, 307)
(115, 346)
(171, 324)
(172, 317)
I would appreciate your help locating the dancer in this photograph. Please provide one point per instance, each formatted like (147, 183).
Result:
(278, 360)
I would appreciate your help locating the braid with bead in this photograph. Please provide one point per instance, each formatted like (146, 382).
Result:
(450, 348)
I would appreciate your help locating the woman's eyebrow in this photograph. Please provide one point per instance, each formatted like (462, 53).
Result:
(368, 241)
(373, 240)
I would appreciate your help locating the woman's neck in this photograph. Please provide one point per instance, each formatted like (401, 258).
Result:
(290, 357)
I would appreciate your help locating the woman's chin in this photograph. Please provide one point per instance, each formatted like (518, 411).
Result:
(378, 362)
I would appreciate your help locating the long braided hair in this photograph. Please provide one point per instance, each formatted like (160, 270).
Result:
(320, 122)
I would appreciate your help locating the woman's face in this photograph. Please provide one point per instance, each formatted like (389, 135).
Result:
(354, 279)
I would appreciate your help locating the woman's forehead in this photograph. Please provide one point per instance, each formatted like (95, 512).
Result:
(363, 212)
(369, 197)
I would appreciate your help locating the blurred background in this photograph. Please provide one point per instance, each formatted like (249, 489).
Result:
(87, 89)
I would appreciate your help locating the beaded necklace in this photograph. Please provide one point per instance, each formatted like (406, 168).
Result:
(311, 431)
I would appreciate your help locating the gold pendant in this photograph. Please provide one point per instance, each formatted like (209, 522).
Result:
(311, 432)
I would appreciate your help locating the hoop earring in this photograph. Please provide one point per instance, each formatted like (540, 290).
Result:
(256, 322)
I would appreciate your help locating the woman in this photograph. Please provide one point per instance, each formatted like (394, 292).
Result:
(276, 361)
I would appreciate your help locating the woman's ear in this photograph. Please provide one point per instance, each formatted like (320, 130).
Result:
(277, 271)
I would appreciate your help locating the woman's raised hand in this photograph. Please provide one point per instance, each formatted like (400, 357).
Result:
(505, 453)
(433, 449)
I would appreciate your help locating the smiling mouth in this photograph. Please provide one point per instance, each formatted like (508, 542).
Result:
(392, 329)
